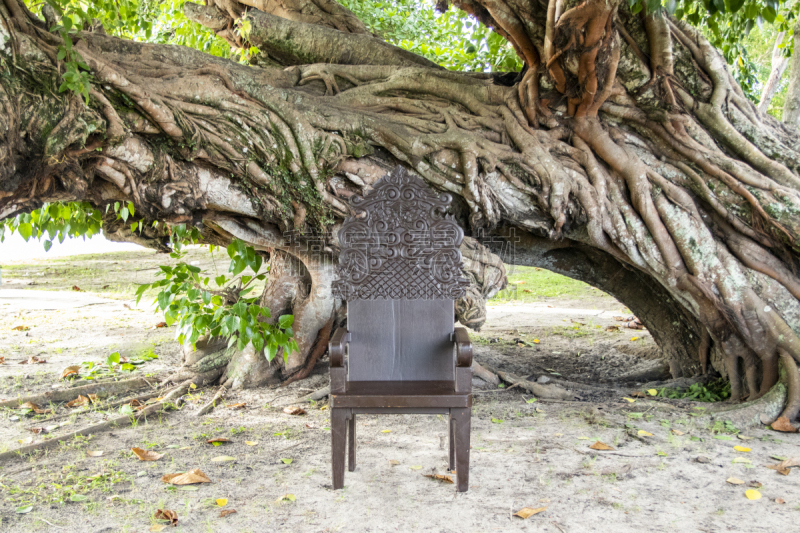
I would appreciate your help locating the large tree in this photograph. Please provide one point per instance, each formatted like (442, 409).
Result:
(624, 154)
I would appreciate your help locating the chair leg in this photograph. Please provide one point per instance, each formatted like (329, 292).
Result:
(351, 437)
(338, 438)
(451, 423)
(461, 419)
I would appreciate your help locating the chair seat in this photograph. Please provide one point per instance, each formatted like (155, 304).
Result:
(401, 394)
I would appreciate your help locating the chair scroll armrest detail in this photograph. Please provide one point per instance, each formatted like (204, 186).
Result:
(463, 348)
(336, 347)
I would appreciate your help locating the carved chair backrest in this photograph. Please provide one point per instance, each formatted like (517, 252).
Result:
(400, 272)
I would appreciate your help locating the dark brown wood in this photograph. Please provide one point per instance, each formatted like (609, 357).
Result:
(399, 270)
(338, 436)
(394, 340)
(351, 443)
(401, 394)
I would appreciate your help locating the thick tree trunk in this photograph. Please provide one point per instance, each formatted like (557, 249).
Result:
(791, 108)
(626, 147)
(778, 67)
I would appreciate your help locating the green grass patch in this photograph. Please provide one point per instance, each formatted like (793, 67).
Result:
(529, 284)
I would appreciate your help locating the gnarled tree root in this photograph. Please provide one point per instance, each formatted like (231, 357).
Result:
(766, 409)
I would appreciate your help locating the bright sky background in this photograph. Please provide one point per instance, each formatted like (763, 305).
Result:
(14, 248)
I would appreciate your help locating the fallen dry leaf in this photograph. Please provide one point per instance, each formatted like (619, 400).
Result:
(783, 424)
(94, 453)
(286, 498)
(638, 394)
(223, 459)
(600, 446)
(734, 481)
(2, 359)
(34, 407)
(755, 484)
(629, 400)
(189, 478)
(527, 512)
(394, 462)
(237, 405)
(294, 410)
(251, 442)
(160, 325)
(780, 500)
(643, 433)
(36, 430)
(167, 516)
(741, 449)
(752, 494)
(440, 477)
(21, 328)
(226, 512)
(135, 403)
(678, 432)
(155, 528)
(702, 459)
(80, 401)
(744, 437)
(784, 466)
(76, 288)
(219, 440)
(147, 455)
(33, 360)
(222, 502)
(70, 371)
(612, 328)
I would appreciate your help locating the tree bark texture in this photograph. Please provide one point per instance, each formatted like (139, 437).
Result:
(791, 108)
(625, 155)
(778, 67)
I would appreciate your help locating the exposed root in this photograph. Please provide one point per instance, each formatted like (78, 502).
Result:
(485, 374)
(792, 386)
(319, 348)
(316, 395)
(208, 407)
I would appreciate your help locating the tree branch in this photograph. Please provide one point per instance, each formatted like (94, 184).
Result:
(292, 42)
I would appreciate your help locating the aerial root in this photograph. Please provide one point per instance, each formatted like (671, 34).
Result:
(792, 385)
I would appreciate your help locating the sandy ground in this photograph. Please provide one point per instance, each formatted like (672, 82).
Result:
(275, 471)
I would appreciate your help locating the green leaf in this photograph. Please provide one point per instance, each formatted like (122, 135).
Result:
(287, 461)
(78, 498)
(113, 359)
(286, 321)
(26, 230)
(24, 509)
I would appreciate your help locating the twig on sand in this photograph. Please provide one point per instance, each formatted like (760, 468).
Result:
(316, 395)
(211, 404)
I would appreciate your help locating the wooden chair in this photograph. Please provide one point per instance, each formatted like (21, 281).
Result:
(400, 272)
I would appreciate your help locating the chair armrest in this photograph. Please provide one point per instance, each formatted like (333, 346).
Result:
(463, 348)
(336, 347)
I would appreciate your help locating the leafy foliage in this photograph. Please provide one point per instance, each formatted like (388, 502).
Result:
(715, 391)
(53, 221)
(191, 301)
(452, 39)
(726, 22)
